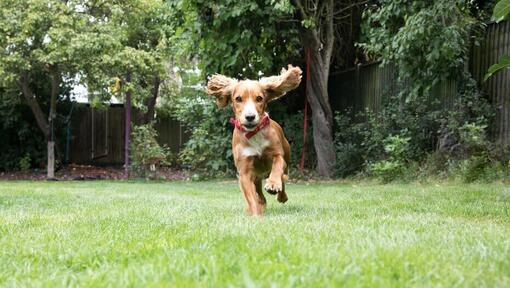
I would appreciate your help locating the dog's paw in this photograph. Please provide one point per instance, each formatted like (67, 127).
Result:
(282, 197)
(272, 186)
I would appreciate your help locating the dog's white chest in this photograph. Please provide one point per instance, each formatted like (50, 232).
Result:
(256, 145)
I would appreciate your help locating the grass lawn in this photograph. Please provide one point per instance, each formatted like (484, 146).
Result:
(195, 234)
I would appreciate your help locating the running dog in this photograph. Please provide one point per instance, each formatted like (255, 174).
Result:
(259, 146)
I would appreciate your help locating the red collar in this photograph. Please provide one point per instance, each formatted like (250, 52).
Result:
(262, 124)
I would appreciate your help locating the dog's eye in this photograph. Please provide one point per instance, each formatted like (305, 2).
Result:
(259, 98)
(239, 99)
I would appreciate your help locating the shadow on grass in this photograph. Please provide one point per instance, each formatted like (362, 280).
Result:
(285, 209)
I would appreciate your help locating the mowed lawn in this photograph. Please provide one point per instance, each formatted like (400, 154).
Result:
(183, 234)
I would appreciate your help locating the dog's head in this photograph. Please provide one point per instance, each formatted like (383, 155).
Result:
(249, 98)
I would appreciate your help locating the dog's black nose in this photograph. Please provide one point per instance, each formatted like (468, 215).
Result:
(249, 118)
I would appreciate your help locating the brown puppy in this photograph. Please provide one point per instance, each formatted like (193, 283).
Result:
(259, 146)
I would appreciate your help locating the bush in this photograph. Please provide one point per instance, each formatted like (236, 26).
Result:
(24, 163)
(393, 168)
(437, 135)
(425, 55)
(209, 149)
(20, 135)
(146, 154)
(351, 152)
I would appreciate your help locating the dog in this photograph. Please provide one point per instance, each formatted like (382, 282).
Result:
(259, 146)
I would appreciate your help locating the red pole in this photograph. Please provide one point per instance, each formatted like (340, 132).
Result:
(127, 127)
(305, 121)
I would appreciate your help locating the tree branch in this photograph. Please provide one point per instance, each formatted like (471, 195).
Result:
(348, 7)
(301, 9)
(330, 35)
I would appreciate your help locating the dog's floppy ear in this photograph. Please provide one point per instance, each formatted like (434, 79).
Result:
(221, 87)
(277, 86)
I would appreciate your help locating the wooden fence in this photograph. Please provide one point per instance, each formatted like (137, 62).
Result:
(366, 86)
(97, 135)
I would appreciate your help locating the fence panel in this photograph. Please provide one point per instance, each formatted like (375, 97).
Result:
(496, 43)
(98, 135)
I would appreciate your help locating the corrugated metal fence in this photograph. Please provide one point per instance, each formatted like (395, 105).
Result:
(367, 85)
(495, 45)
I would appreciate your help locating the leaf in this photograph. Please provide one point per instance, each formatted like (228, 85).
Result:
(501, 11)
(504, 62)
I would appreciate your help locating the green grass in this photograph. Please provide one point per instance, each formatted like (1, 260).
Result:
(196, 234)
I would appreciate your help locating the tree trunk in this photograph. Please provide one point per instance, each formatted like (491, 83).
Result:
(322, 116)
(40, 118)
(319, 41)
(127, 126)
(50, 168)
(150, 103)
(55, 91)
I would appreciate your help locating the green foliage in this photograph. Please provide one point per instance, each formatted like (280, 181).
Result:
(501, 12)
(427, 40)
(98, 43)
(394, 166)
(355, 143)
(464, 127)
(24, 163)
(430, 130)
(130, 46)
(238, 38)
(503, 63)
(209, 149)
(146, 154)
(474, 168)
(38, 34)
(20, 135)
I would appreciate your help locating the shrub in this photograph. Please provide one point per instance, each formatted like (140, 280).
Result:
(394, 166)
(209, 149)
(24, 162)
(435, 136)
(20, 135)
(146, 153)
(349, 144)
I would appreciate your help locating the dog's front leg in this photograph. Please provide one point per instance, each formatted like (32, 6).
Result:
(274, 184)
(255, 205)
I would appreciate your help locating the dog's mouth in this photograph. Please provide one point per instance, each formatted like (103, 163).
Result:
(250, 126)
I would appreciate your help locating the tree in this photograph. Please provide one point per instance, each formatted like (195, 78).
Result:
(37, 36)
(320, 19)
(230, 43)
(131, 54)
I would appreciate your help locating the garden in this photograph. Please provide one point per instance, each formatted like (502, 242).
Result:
(117, 166)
